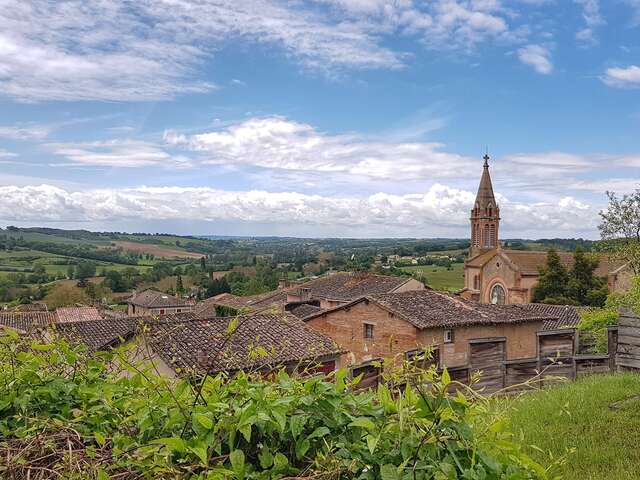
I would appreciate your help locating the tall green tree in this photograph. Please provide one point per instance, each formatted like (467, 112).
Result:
(584, 286)
(553, 281)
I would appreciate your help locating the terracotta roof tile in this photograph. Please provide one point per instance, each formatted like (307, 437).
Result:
(155, 299)
(431, 309)
(26, 321)
(350, 286)
(305, 310)
(77, 314)
(568, 316)
(98, 334)
(202, 344)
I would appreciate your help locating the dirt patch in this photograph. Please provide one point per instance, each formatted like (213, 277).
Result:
(156, 250)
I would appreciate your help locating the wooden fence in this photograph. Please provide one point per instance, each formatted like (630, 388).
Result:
(628, 342)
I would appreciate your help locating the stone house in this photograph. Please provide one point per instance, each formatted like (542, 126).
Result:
(396, 324)
(152, 302)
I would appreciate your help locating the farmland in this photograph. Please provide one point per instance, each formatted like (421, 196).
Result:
(439, 278)
(155, 250)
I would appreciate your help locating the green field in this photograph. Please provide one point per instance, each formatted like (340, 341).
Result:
(598, 416)
(440, 278)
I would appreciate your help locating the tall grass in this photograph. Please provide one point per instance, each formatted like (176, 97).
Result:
(598, 416)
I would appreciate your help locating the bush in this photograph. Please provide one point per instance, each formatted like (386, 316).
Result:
(102, 417)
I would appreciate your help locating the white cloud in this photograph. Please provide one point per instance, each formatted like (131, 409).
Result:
(278, 143)
(6, 154)
(440, 206)
(151, 49)
(117, 153)
(24, 132)
(592, 18)
(154, 49)
(537, 57)
(628, 77)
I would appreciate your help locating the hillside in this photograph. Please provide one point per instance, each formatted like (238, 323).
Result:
(598, 416)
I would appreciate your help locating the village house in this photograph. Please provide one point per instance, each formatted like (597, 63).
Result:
(182, 345)
(341, 288)
(397, 324)
(496, 275)
(152, 302)
(323, 293)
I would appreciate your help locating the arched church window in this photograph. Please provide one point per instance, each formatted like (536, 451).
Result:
(498, 295)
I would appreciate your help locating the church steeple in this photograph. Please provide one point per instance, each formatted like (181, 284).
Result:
(485, 216)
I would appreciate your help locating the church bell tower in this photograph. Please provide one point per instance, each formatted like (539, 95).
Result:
(485, 216)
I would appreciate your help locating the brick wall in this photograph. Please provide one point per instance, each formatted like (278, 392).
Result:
(393, 335)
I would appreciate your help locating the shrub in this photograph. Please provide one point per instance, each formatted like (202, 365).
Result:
(102, 417)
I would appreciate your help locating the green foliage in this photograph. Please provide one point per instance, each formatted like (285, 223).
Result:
(553, 279)
(139, 425)
(593, 323)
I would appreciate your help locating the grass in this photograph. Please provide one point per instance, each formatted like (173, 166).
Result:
(439, 277)
(580, 415)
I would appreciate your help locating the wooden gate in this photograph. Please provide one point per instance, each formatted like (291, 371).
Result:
(628, 350)
(556, 350)
(487, 356)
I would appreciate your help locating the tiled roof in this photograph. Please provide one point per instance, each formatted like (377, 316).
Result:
(350, 286)
(26, 321)
(155, 299)
(202, 344)
(78, 314)
(530, 262)
(98, 334)
(30, 307)
(431, 309)
(251, 303)
(568, 315)
(305, 310)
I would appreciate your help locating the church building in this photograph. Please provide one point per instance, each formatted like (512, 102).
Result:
(495, 275)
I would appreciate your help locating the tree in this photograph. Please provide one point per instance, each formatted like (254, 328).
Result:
(552, 284)
(85, 269)
(620, 227)
(203, 263)
(578, 286)
(64, 295)
(116, 281)
(179, 285)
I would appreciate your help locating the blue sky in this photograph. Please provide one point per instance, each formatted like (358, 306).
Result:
(316, 118)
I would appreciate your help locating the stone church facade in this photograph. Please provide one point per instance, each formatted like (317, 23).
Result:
(495, 275)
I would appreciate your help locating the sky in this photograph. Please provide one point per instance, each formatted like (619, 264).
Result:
(318, 118)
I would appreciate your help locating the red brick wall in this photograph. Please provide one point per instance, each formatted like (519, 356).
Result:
(392, 335)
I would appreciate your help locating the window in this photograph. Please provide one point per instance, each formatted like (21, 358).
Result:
(368, 330)
(476, 282)
(448, 336)
(498, 295)
(162, 311)
(178, 310)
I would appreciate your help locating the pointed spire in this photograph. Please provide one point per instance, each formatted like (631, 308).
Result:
(485, 194)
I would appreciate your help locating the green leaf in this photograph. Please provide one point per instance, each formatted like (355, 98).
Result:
(172, 443)
(266, 458)
(42, 348)
(237, 463)
(99, 438)
(446, 378)
(389, 472)
(203, 420)
(296, 424)
(302, 447)
(363, 422)
(202, 453)
(102, 475)
(245, 430)
(233, 325)
(319, 432)
(372, 441)
(280, 462)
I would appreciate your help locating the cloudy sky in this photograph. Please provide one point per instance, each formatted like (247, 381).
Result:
(318, 117)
